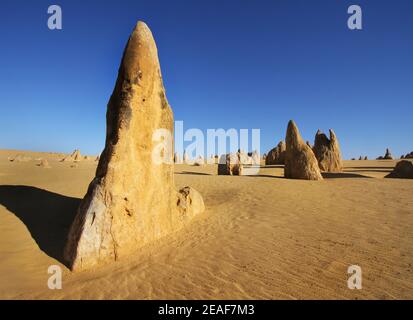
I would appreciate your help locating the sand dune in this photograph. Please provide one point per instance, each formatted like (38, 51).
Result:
(261, 237)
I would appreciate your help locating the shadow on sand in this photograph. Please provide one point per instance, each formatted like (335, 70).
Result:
(330, 175)
(47, 215)
(194, 173)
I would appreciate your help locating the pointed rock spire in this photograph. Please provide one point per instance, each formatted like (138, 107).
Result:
(132, 200)
(300, 162)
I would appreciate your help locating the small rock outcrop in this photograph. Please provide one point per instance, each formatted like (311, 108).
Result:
(177, 158)
(230, 164)
(186, 158)
(403, 170)
(276, 155)
(300, 161)
(199, 161)
(132, 199)
(44, 163)
(327, 151)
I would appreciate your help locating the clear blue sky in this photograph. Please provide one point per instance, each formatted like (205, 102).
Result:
(226, 64)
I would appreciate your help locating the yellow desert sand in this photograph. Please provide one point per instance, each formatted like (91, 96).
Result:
(260, 237)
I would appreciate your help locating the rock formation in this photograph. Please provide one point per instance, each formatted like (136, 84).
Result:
(244, 158)
(199, 161)
(211, 159)
(44, 163)
(366, 158)
(255, 158)
(230, 164)
(186, 158)
(327, 151)
(74, 156)
(177, 158)
(409, 155)
(403, 170)
(276, 155)
(20, 158)
(132, 199)
(300, 161)
(387, 156)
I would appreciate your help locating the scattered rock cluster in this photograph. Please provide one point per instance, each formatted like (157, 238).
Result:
(20, 158)
(74, 156)
(387, 156)
(407, 156)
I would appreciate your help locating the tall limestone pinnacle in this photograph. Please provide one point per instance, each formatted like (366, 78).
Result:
(132, 200)
(300, 161)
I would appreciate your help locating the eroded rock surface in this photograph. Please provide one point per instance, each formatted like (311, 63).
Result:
(132, 200)
(276, 155)
(403, 170)
(300, 161)
(327, 151)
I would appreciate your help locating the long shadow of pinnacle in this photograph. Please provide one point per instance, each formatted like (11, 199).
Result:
(47, 215)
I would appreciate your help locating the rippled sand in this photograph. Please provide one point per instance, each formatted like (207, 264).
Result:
(261, 237)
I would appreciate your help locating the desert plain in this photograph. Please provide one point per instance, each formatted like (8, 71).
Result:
(260, 237)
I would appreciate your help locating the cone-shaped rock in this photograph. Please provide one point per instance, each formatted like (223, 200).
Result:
(300, 161)
(276, 155)
(403, 170)
(76, 156)
(132, 200)
(327, 151)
